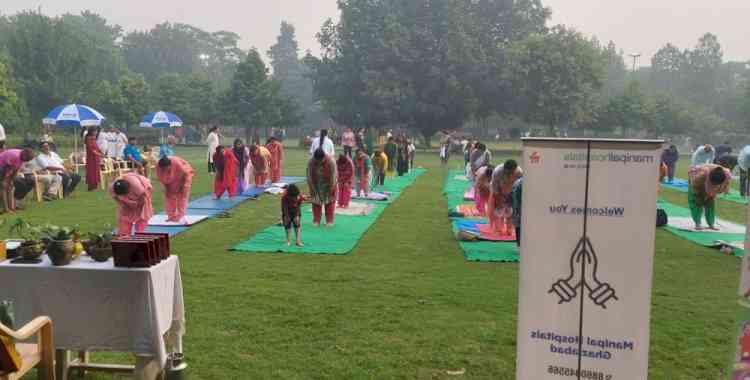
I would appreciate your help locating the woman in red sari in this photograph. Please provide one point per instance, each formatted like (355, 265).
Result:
(226, 172)
(93, 159)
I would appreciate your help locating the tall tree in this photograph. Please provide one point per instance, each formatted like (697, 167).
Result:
(135, 94)
(556, 78)
(668, 66)
(12, 107)
(52, 59)
(704, 63)
(251, 101)
(293, 76)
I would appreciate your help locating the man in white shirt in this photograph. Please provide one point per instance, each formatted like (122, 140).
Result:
(113, 143)
(50, 182)
(50, 162)
(327, 144)
(102, 141)
(121, 141)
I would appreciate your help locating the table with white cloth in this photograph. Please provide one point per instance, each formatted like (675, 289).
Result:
(98, 307)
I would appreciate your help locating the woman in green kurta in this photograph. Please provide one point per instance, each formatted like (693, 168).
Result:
(391, 150)
(322, 180)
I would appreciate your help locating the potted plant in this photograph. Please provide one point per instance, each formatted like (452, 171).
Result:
(32, 246)
(60, 245)
(99, 246)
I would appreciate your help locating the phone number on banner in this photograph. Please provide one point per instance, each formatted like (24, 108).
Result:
(585, 374)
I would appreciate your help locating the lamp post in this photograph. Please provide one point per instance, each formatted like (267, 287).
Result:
(635, 57)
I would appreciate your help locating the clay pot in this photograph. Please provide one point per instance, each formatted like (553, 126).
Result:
(100, 254)
(60, 252)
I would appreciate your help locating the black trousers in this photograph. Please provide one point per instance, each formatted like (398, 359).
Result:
(518, 236)
(23, 186)
(69, 182)
(211, 167)
(348, 151)
(380, 179)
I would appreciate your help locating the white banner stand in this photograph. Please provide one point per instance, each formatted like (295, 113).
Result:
(588, 230)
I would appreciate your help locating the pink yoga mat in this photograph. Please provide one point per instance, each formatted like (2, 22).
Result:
(469, 194)
(489, 234)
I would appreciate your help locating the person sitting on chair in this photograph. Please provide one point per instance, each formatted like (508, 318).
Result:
(133, 155)
(52, 163)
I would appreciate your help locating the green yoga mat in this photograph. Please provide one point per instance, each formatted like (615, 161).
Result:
(706, 239)
(337, 240)
(481, 251)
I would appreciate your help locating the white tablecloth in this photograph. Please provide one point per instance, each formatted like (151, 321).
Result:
(97, 307)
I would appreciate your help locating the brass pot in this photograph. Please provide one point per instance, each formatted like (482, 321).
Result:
(60, 252)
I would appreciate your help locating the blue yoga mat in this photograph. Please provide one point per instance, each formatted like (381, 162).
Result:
(677, 184)
(172, 231)
(293, 179)
(203, 211)
(208, 202)
(254, 192)
(467, 225)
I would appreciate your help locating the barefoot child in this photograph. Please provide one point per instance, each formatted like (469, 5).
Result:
(291, 202)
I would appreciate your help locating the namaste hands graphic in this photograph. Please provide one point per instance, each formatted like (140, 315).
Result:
(583, 267)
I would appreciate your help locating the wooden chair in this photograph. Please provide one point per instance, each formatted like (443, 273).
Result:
(39, 188)
(38, 355)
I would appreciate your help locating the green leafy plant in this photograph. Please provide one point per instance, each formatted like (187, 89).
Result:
(100, 240)
(25, 230)
(51, 232)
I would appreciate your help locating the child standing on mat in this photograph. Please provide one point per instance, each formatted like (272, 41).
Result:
(291, 202)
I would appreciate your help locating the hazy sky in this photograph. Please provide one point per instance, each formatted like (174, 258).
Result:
(636, 26)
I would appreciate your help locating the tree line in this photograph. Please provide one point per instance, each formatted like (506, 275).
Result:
(429, 66)
(204, 77)
(421, 65)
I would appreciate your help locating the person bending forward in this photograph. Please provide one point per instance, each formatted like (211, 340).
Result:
(706, 182)
(176, 175)
(132, 193)
(321, 179)
(226, 172)
(345, 168)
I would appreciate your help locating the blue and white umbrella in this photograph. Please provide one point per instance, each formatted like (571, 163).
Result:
(74, 115)
(161, 119)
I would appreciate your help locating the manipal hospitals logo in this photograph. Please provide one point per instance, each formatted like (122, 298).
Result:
(624, 157)
(535, 158)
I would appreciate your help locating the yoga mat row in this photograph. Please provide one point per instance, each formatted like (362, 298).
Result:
(455, 188)
(210, 207)
(710, 239)
(339, 239)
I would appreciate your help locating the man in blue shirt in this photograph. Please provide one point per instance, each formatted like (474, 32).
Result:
(132, 154)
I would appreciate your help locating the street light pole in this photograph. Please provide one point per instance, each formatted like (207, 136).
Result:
(635, 59)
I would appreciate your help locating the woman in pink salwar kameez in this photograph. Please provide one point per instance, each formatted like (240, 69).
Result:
(176, 175)
(132, 193)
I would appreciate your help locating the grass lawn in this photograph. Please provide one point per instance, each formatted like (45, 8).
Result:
(405, 303)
